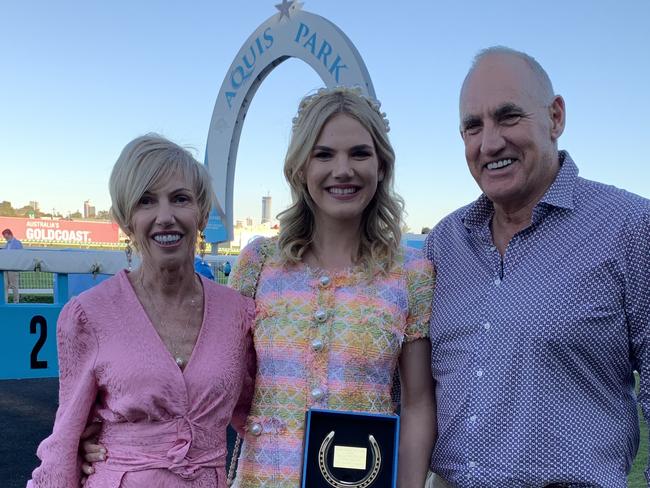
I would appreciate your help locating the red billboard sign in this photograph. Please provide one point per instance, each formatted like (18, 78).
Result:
(61, 231)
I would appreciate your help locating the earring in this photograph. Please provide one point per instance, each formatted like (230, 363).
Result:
(202, 246)
(128, 250)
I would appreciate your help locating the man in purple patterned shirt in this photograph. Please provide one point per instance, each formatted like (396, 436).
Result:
(542, 302)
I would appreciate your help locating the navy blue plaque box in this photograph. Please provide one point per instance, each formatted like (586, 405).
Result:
(349, 450)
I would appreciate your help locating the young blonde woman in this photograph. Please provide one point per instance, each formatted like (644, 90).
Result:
(340, 304)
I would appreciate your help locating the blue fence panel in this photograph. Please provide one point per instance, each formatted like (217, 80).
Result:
(28, 345)
(28, 330)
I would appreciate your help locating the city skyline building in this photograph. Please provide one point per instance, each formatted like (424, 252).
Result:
(266, 209)
(89, 210)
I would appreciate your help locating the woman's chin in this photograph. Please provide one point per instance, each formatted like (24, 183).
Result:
(166, 258)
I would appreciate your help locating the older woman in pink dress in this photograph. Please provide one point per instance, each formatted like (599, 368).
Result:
(163, 357)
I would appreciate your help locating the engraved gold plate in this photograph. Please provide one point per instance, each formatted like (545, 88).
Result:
(349, 457)
(329, 477)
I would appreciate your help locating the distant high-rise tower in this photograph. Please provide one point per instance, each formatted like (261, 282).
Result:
(89, 210)
(266, 209)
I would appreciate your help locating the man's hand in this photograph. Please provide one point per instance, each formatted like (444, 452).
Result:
(91, 452)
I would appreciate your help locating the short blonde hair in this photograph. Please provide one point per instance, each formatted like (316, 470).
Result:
(381, 221)
(146, 161)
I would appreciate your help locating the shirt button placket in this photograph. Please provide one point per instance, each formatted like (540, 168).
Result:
(481, 342)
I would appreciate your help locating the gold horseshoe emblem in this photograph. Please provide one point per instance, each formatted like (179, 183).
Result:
(365, 482)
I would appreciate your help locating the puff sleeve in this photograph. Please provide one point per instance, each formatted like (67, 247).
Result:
(249, 369)
(249, 265)
(420, 280)
(77, 351)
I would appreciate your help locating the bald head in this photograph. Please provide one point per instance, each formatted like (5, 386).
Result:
(537, 82)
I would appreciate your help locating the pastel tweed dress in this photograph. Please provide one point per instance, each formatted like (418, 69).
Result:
(326, 340)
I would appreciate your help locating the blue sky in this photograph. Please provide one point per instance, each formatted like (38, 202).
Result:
(79, 79)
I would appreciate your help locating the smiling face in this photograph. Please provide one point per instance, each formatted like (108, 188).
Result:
(342, 172)
(165, 223)
(510, 129)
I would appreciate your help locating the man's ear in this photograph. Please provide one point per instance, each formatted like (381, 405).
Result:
(557, 112)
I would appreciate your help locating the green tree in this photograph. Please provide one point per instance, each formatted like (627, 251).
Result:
(6, 210)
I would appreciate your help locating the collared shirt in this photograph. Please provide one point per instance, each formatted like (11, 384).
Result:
(533, 354)
(13, 244)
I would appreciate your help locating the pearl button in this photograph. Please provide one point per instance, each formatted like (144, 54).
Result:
(497, 281)
(325, 281)
(472, 418)
(317, 393)
(320, 316)
(317, 345)
(493, 248)
(256, 429)
(479, 373)
(472, 464)
(486, 325)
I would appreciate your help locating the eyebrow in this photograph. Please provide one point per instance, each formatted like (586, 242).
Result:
(362, 147)
(353, 148)
(153, 190)
(506, 109)
(497, 113)
(469, 120)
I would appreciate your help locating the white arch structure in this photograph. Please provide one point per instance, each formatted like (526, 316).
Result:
(291, 33)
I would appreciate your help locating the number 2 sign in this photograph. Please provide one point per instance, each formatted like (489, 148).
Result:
(28, 341)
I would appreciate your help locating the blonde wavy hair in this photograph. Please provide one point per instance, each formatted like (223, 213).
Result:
(382, 218)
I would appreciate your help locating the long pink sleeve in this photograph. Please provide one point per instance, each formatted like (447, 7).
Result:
(242, 408)
(77, 350)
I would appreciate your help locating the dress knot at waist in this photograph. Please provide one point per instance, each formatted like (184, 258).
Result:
(180, 445)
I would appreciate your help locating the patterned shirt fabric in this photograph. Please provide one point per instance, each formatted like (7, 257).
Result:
(533, 354)
(323, 339)
(162, 427)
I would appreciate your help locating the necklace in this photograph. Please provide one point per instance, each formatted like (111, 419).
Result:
(173, 346)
